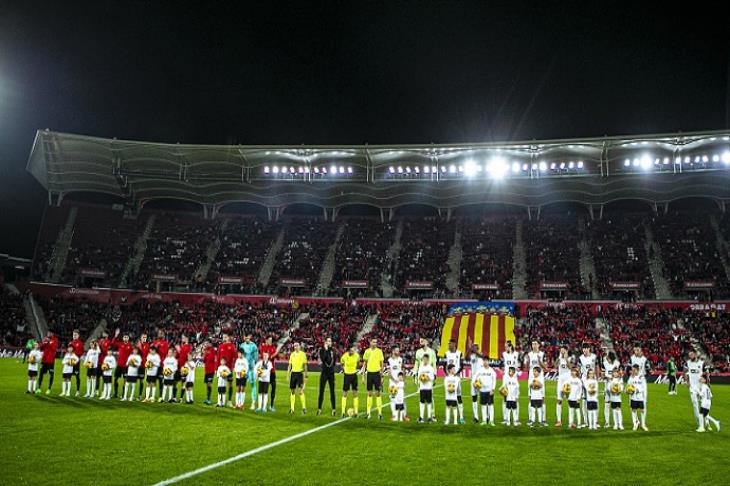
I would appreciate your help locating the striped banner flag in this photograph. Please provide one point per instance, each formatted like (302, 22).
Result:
(488, 331)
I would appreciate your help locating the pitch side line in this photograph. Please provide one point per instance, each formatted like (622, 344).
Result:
(263, 448)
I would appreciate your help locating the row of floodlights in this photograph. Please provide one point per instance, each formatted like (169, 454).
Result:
(495, 168)
(646, 162)
(303, 170)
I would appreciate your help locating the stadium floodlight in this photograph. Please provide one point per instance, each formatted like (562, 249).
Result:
(275, 169)
(627, 163)
(452, 169)
(292, 170)
(705, 159)
(580, 164)
(515, 167)
(645, 162)
(524, 167)
(716, 158)
(434, 169)
(443, 169)
(697, 159)
(266, 169)
(425, 169)
(400, 169)
(470, 168)
(301, 170)
(543, 166)
(497, 167)
(333, 169)
(416, 169)
(391, 169)
(636, 162)
(726, 157)
(534, 166)
(552, 166)
(342, 170)
(562, 165)
(687, 160)
(306, 170)
(666, 161)
(408, 169)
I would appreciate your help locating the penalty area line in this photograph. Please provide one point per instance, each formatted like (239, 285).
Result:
(265, 447)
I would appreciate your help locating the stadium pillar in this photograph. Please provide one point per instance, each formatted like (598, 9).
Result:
(600, 213)
(590, 211)
(448, 215)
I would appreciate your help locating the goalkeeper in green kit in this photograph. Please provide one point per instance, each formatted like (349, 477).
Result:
(672, 376)
(425, 350)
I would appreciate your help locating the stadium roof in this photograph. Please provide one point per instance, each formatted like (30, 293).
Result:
(655, 168)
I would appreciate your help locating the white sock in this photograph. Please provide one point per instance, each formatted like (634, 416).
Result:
(134, 387)
(475, 407)
(558, 411)
(460, 408)
(154, 392)
(531, 414)
(429, 409)
(491, 413)
(484, 414)
(606, 415)
(634, 420)
(421, 408)
(578, 417)
(505, 416)
(448, 415)
(570, 416)
(541, 414)
(516, 412)
(30, 385)
(147, 392)
(643, 418)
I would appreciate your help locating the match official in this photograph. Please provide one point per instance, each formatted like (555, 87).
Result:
(297, 373)
(327, 375)
(373, 366)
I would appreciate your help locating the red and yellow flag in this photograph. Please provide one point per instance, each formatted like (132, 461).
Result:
(488, 331)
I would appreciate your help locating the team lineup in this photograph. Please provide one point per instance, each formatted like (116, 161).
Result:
(148, 368)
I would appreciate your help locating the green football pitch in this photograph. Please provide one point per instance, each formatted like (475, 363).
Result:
(46, 439)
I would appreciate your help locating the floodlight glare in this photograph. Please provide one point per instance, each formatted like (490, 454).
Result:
(726, 158)
(716, 158)
(552, 166)
(543, 166)
(645, 162)
(333, 169)
(400, 169)
(349, 170)
(515, 167)
(266, 170)
(470, 168)
(391, 169)
(434, 169)
(580, 164)
(316, 170)
(408, 170)
(705, 159)
(562, 165)
(342, 170)
(666, 160)
(275, 170)
(292, 170)
(627, 163)
(452, 169)
(534, 166)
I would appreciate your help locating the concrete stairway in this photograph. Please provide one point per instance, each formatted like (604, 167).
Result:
(268, 266)
(140, 246)
(60, 249)
(294, 326)
(367, 326)
(328, 265)
(722, 246)
(454, 262)
(656, 266)
(96, 333)
(211, 253)
(519, 265)
(387, 280)
(587, 266)
(696, 344)
(603, 328)
(35, 317)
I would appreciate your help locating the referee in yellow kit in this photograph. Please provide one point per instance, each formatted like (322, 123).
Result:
(297, 374)
(372, 369)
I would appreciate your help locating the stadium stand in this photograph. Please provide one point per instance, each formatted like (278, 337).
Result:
(103, 241)
(65, 315)
(403, 325)
(306, 241)
(13, 328)
(53, 221)
(341, 322)
(619, 254)
(176, 247)
(552, 254)
(688, 245)
(361, 254)
(423, 257)
(487, 254)
(244, 244)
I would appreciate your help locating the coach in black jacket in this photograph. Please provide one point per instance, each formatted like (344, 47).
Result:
(327, 375)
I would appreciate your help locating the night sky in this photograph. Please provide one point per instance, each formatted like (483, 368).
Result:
(320, 73)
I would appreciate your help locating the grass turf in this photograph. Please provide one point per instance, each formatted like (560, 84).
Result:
(53, 440)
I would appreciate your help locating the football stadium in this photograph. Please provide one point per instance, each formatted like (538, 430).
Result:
(516, 309)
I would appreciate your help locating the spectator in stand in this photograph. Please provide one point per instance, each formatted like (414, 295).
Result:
(486, 246)
(424, 254)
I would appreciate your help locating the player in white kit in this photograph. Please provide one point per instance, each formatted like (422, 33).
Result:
(636, 388)
(454, 357)
(611, 365)
(693, 369)
(587, 361)
(536, 359)
(476, 362)
(510, 359)
(638, 359)
(395, 367)
(565, 363)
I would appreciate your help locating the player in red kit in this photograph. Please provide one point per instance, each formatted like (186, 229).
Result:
(210, 361)
(78, 347)
(144, 350)
(271, 350)
(162, 347)
(49, 346)
(227, 350)
(124, 349)
(183, 350)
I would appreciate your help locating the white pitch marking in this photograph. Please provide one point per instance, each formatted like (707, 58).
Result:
(263, 448)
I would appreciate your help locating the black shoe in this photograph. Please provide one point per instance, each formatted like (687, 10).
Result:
(475, 421)
(319, 412)
(304, 411)
(334, 413)
(291, 412)
(380, 417)
(420, 420)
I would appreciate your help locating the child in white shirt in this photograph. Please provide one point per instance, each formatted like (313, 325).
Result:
(34, 359)
(222, 374)
(69, 362)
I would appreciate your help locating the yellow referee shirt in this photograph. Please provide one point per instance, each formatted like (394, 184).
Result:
(349, 363)
(374, 359)
(297, 360)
